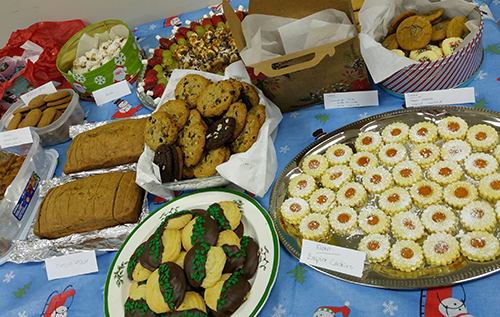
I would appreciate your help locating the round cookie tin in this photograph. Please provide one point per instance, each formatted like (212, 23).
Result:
(125, 65)
(450, 72)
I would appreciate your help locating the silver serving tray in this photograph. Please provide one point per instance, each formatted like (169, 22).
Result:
(383, 275)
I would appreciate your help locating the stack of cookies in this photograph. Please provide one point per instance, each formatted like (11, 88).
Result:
(427, 36)
(205, 123)
(41, 111)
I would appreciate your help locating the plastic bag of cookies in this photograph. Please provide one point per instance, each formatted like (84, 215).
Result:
(398, 36)
(208, 131)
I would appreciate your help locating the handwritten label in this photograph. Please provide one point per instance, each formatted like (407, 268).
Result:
(47, 88)
(331, 257)
(351, 99)
(15, 137)
(440, 97)
(71, 265)
(111, 92)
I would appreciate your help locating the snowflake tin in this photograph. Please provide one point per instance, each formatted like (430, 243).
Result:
(111, 55)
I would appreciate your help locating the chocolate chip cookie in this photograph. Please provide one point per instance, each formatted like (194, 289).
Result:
(215, 99)
(210, 160)
(178, 110)
(160, 128)
(248, 136)
(238, 111)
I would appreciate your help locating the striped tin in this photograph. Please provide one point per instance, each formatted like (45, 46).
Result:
(452, 71)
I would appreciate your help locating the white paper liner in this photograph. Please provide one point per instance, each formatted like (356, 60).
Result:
(377, 15)
(253, 170)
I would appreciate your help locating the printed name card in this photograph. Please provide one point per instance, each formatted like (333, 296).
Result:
(71, 265)
(351, 99)
(331, 257)
(440, 97)
(15, 137)
(111, 92)
(47, 88)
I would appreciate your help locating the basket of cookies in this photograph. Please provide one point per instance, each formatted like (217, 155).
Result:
(50, 115)
(100, 55)
(209, 130)
(421, 46)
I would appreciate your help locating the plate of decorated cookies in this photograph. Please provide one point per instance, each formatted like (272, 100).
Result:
(213, 251)
(417, 190)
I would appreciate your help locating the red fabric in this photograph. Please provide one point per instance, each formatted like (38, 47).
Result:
(432, 300)
(51, 36)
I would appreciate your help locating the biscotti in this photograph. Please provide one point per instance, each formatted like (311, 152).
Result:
(89, 203)
(116, 143)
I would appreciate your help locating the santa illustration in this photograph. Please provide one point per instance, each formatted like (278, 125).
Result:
(119, 74)
(330, 311)
(125, 109)
(57, 305)
(439, 302)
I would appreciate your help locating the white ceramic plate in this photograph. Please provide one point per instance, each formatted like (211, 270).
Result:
(257, 224)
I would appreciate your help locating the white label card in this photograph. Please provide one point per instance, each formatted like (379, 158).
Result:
(440, 97)
(47, 88)
(15, 137)
(351, 99)
(331, 257)
(111, 92)
(71, 265)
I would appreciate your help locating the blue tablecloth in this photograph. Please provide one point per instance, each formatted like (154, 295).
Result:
(299, 290)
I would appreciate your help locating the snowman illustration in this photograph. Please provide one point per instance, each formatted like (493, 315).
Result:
(439, 302)
(56, 304)
(125, 109)
(330, 311)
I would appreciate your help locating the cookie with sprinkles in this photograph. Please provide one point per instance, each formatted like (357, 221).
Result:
(203, 265)
(166, 288)
(226, 214)
(135, 270)
(200, 229)
(192, 306)
(251, 251)
(228, 293)
(136, 305)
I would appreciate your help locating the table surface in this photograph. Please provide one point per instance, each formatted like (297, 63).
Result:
(26, 291)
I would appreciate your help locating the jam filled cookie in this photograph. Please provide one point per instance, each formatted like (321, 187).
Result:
(455, 150)
(459, 194)
(445, 172)
(489, 187)
(482, 137)
(369, 141)
(406, 255)
(360, 162)
(321, 200)
(376, 246)
(352, 194)
(392, 154)
(373, 220)
(406, 173)
(478, 215)
(478, 165)
(441, 249)
(315, 227)
(396, 132)
(451, 128)
(338, 154)
(294, 209)
(377, 179)
(343, 220)
(336, 176)
(394, 200)
(423, 132)
(425, 154)
(480, 246)
(314, 165)
(406, 225)
(439, 218)
(425, 193)
(301, 186)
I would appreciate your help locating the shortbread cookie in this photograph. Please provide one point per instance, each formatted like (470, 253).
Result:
(160, 128)
(190, 87)
(450, 45)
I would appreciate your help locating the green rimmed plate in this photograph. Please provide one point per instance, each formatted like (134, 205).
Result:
(257, 224)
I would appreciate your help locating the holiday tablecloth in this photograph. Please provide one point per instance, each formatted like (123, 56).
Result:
(299, 290)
